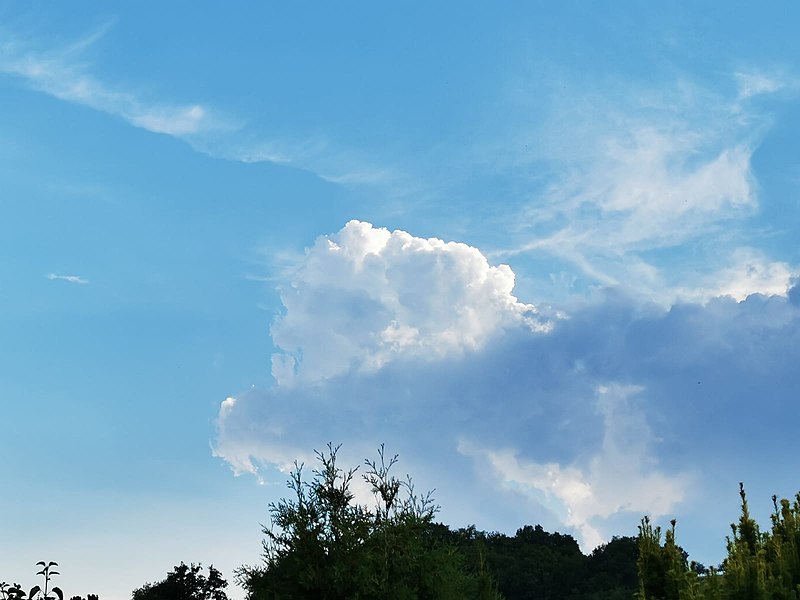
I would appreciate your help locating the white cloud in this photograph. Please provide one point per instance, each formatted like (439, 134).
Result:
(367, 296)
(637, 186)
(59, 73)
(176, 121)
(646, 193)
(69, 278)
(621, 477)
(749, 272)
(332, 162)
(752, 83)
(533, 408)
(646, 189)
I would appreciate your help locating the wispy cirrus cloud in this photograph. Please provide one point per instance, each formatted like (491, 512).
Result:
(330, 161)
(758, 82)
(68, 278)
(60, 72)
(638, 185)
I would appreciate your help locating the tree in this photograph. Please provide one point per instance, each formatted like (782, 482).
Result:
(185, 583)
(322, 544)
(759, 565)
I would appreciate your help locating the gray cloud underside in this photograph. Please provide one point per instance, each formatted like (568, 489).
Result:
(706, 377)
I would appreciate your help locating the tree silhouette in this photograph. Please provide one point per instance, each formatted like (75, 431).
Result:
(185, 583)
(322, 544)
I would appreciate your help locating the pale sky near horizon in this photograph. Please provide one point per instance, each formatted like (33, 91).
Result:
(546, 252)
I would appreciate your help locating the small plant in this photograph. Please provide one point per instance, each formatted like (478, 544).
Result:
(11, 592)
(48, 593)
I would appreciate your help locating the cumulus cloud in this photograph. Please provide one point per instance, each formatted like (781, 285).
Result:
(421, 344)
(619, 410)
(366, 296)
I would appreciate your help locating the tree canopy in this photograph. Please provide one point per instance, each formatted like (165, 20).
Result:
(322, 544)
(185, 583)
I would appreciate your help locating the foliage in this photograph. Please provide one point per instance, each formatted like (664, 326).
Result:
(185, 583)
(15, 591)
(46, 593)
(550, 566)
(11, 591)
(759, 565)
(664, 572)
(322, 544)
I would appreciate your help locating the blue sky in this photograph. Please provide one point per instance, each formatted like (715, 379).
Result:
(546, 253)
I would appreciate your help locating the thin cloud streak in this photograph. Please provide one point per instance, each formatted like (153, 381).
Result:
(59, 73)
(69, 278)
(755, 83)
(330, 162)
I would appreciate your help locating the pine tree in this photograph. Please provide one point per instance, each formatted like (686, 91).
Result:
(759, 565)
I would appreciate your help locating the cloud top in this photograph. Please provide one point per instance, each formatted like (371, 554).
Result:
(367, 296)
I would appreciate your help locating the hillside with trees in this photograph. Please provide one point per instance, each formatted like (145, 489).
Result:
(322, 544)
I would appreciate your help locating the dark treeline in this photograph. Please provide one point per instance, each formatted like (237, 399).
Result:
(321, 544)
(535, 564)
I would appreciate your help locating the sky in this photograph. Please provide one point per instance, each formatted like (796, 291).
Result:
(545, 252)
